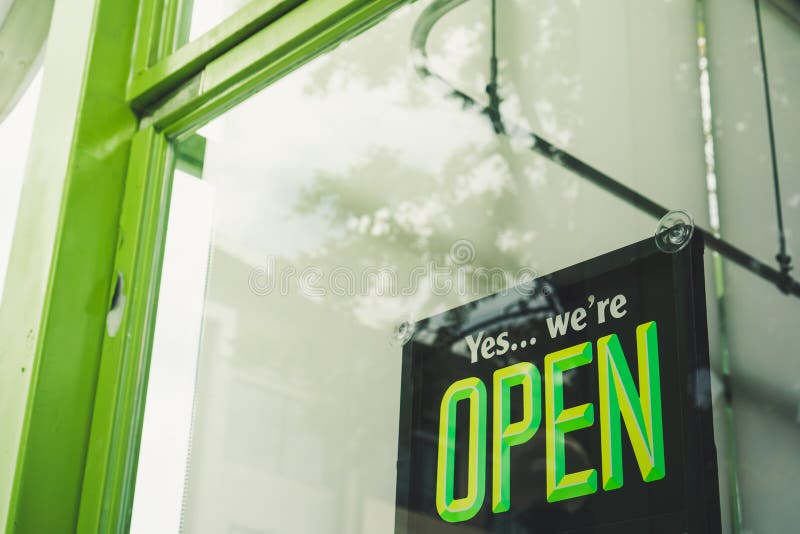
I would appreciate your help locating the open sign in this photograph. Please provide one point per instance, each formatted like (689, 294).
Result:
(583, 408)
(620, 399)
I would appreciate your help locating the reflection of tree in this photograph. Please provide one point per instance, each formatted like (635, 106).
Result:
(538, 49)
(385, 201)
(487, 190)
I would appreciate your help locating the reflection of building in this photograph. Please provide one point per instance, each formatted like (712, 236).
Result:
(292, 420)
(353, 161)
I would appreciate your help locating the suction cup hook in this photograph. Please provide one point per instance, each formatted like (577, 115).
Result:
(402, 333)
(675, 230)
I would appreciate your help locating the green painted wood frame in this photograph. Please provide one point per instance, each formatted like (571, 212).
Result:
(76, 472)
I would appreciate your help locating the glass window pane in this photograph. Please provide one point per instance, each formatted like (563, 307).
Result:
(760, 322)
(356, 194)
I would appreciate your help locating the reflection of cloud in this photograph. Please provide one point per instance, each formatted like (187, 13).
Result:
(549, 121)
(490, 176)
(419, 219)
(509, 239)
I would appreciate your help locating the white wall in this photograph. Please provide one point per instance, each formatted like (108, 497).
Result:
(15, 141)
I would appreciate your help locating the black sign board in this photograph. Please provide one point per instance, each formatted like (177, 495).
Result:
(579, 404)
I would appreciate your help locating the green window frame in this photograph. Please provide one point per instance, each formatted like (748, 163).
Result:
(141, 95)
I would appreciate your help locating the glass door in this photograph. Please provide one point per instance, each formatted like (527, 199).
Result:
(372, 188)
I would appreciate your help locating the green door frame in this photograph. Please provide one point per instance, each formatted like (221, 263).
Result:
(78, 446)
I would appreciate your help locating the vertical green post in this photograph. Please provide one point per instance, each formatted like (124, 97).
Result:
(60, 277)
